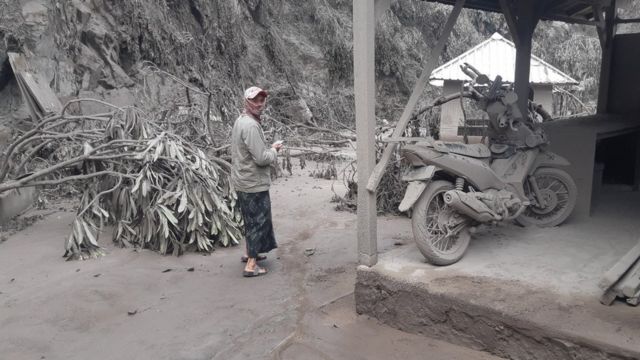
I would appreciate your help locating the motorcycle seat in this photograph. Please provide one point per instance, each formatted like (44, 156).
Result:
(479, 151)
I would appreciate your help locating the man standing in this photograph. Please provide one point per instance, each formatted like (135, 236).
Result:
(251, 177)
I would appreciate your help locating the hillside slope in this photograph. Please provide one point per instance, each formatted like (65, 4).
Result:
(300, 50)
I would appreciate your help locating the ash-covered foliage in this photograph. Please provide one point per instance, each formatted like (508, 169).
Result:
(157, 189)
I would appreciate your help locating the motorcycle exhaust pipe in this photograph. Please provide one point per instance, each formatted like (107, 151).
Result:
(472, 208)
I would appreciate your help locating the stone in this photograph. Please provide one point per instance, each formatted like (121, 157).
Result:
(36, 17)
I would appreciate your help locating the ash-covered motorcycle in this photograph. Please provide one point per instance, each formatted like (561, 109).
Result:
(453, 187)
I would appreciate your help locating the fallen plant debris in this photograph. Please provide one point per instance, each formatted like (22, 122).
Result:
(389, 193)
(157, 189)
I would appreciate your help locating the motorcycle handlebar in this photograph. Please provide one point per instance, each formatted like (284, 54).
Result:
(494, 86)
(465, 69)
(470, 71)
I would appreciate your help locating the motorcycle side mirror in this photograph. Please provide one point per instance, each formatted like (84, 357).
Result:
(483, 80)
(510, 98)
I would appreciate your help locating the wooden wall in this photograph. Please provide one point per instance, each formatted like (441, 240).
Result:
(624, 87)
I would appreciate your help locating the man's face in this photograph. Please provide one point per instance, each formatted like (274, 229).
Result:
(260, 101)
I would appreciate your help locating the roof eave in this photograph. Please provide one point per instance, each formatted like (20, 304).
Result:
(581, 11)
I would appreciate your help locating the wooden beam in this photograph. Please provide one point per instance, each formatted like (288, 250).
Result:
(603, 3)
(418, 89)
(607, 57)
(364, 22)
(527, 13)
(507, 12)
(601, 25)
(636, 170)
(570, 20)
(620, 268)
(544, 6)
(627, 21)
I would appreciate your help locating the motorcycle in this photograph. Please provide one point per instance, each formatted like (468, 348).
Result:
(453, 188)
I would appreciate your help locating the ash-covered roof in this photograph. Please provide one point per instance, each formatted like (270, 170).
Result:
(497, 56)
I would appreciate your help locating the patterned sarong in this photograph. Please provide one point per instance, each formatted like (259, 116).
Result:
(258, 228)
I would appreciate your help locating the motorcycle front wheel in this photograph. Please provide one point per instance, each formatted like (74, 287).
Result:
(434, 240)
(559, 195)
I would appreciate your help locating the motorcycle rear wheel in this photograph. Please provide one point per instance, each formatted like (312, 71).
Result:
(560, 193)
(428, 231)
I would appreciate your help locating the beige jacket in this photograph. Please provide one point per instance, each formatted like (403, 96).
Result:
(250, 156)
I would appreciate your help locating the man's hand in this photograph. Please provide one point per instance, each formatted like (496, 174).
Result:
(277, 145)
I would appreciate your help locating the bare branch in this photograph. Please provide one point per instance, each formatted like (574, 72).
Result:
(26, 183)
(64, 108)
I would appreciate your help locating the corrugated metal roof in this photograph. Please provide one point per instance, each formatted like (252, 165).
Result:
(497, 56)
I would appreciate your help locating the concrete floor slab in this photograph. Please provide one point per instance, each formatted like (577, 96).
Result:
(126, 305)
(522, 293)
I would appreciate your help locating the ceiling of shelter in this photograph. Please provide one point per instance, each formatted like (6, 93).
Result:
(571, 11)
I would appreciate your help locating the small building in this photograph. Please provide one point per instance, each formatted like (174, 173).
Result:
(494, 56)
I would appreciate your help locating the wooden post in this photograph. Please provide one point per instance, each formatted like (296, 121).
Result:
(636, 172)
(607, 56)
(432, 61)
(507, 11)
(364, 21)
(601, 25)
(527, 20)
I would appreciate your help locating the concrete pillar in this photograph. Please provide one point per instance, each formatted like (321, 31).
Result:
(364, 21)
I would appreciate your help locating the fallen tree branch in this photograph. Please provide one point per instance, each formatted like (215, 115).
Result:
(21, 184)
(169, 196)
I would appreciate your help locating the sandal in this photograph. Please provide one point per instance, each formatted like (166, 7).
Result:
(256, 272)
(246, 258)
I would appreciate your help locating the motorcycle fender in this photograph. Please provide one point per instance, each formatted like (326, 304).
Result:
(421, 173)
(549, 159)
(414, 190)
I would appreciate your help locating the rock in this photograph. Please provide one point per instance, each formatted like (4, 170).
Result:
(82, 11)
(299, 111)
(120, 97)
(100, 48)
(36, 18)
(88, 61)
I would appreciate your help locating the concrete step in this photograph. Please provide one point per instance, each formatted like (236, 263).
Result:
(508, 318)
